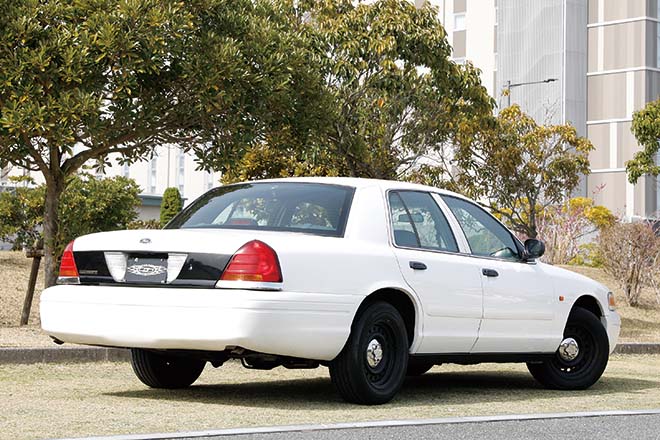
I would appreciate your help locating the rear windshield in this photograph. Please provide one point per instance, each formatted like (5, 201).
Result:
(295, 207)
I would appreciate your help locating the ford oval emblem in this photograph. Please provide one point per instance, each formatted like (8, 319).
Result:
(145, 240)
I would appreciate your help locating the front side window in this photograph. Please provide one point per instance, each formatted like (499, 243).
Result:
(418, 222)
(485, 235)
(284, 206)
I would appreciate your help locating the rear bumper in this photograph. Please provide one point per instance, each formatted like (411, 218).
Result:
(305, 325)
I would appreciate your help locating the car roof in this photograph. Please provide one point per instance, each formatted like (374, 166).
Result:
(358, 182)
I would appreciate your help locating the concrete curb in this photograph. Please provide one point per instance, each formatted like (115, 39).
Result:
(361, 425)
(62, 354)
(17, 355)
(637, 348)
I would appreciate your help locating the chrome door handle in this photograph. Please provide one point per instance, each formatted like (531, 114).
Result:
(417, 265)
(489, 272)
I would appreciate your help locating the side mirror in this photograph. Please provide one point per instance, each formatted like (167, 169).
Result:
(534, 248)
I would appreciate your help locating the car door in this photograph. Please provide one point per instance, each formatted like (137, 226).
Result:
(448, 284)
(519, 300)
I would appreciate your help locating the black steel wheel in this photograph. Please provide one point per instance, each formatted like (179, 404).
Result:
(372, 366)
(580, 359)
(159, 370)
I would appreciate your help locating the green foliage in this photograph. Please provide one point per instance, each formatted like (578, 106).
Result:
(266, 161)
(588, 255)
(93, 205)
(21, 213)
(518, 166)
(391, 95)
(123, 76)
(88, 205)
(396, 95)
(144, 224)
(171, 205)
(646, 128)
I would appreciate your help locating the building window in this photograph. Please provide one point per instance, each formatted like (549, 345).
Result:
(657, 42)
(153, 175)
(181, 171)
(459, 22)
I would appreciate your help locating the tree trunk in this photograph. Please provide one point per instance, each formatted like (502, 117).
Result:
(51, 228)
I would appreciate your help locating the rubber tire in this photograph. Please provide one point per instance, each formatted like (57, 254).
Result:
(158, 370)
(417, 367)
(349, 371)
(550, 374)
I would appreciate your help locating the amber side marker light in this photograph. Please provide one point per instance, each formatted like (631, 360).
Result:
(611, 303)
(561, 298)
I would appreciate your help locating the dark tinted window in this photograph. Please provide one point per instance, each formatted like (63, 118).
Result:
(417, 221)
(283, 206)
(485, 235)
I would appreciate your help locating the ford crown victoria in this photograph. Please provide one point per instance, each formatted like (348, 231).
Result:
(372, 279)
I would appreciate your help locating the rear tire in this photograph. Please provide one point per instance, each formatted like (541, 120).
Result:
(372, 366)
(417, 367)
(158, 370)
(589, 364)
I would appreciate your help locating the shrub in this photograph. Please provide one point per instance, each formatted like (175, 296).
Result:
(631, 254)
(565, 229)
(171, 205)
(21, 213)
(144, 224)
(88, 205)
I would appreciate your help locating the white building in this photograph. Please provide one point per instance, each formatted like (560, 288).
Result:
(603, 57)
(169, 167)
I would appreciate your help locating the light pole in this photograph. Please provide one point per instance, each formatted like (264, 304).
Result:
(509, 86)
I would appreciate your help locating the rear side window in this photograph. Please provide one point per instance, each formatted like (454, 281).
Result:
(284, 206)
(418, 222)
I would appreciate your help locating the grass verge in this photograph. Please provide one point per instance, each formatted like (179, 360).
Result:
(47, 401)
(14, 276)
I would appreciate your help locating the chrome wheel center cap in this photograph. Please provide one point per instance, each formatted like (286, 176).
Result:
(374, 353)
(568, 349)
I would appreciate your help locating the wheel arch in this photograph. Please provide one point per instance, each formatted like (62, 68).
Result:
(400, 300)
(590, 303)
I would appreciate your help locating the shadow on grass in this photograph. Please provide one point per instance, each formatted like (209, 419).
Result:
(431, 388)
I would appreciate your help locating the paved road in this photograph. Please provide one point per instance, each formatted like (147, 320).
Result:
(636, 427)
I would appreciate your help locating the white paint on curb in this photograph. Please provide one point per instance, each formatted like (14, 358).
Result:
(377, 424)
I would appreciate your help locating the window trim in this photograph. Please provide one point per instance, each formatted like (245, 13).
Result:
(390, 225)
(341, 230)
(516, 241)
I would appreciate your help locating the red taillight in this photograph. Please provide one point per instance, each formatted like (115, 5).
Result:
(255, 261)
(68, 264)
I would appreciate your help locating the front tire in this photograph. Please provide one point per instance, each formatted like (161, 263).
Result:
(583, 361)
(158, 370)
(372, 366)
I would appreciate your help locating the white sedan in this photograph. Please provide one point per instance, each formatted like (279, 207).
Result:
(373, 279)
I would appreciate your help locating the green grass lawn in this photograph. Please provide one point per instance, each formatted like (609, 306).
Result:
(640, 324)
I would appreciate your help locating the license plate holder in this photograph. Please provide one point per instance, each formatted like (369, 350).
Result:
(146, 270)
